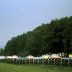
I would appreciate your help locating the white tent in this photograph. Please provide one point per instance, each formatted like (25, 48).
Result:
(38, 58)
(2, 57)
(55, 56)
(9, 57)
(30, 57)
(12, 57)
(15, 57)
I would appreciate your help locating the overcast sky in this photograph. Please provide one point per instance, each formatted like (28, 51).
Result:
(19, 16)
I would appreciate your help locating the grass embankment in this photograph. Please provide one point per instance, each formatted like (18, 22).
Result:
(4, 67)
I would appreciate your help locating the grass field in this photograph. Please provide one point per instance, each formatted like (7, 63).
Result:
(4, 67)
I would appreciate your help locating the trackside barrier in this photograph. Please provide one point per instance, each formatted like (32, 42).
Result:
(61, 61)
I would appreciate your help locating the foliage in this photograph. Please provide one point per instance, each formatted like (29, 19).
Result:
(53, 37)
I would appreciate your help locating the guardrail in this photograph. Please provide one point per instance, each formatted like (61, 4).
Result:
(61, 61)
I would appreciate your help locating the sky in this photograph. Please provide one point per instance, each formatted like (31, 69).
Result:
(20, 16)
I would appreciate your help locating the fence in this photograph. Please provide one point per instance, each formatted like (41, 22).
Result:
(61, 62)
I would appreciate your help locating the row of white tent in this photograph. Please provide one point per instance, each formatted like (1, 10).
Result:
(32, 57)
(9, 57)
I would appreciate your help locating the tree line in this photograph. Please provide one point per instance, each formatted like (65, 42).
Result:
(53, 37)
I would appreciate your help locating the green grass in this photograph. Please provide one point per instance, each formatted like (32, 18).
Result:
(4, 67)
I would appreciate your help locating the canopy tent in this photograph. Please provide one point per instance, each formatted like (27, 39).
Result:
(9, 57)
(38, 58)
(2, 57)
(22, 58)
(15, 57)
(30, 57)
(54, 56)
(12, 57)
(45, 56)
